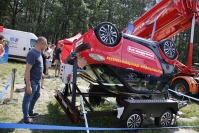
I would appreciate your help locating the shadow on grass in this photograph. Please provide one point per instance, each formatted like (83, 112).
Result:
(19, 90)
(55, 117)
(16, 61)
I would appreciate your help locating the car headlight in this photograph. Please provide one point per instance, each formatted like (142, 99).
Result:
(96, 57)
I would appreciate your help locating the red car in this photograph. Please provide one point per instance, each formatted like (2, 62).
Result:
(123, 63)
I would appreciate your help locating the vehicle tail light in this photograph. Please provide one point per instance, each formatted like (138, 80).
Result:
(97, 57)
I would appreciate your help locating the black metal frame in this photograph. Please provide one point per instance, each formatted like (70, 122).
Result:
(64, 96)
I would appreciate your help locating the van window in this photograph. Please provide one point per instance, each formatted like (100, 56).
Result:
(32, 42)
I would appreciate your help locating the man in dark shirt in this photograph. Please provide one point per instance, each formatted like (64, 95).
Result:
(58, 60)
(33, 74)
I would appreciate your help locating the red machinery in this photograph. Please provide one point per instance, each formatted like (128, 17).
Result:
(164, 20)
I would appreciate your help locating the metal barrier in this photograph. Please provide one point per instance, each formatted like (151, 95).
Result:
(6, 88)
(193, 98)
(13, 83)
(12, 78)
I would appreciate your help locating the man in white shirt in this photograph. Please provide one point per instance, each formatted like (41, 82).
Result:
(49, 58)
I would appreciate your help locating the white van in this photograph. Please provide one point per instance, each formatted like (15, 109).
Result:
(20, 43)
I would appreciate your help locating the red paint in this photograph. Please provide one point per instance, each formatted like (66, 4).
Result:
(1, 28)
(190, 54)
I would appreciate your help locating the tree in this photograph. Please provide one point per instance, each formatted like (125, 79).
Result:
(4, 9)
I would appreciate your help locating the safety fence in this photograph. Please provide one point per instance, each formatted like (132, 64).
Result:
(74, 128)
(6, 88)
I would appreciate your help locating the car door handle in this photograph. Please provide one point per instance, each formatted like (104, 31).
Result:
(24, 48)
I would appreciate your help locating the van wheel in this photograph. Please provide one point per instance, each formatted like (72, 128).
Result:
(107, 34)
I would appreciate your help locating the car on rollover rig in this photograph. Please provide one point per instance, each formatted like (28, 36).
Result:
(124, 64)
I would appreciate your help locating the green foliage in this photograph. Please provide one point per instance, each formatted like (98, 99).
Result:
(191, 110)
(58, 19)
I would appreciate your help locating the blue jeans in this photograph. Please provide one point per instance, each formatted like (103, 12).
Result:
(30, 100)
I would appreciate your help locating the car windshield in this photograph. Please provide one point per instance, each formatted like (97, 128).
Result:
(125, 79)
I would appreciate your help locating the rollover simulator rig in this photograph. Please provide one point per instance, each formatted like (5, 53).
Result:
(132, 111)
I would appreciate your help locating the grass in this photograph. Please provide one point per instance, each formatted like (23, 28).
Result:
(52, 113)
(190, 111)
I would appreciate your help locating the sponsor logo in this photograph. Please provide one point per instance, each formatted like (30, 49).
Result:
(140, 52)
(14, 39)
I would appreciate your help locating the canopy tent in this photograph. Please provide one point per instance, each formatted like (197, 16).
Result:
(1, 28)
(68, 41)
(67, 45)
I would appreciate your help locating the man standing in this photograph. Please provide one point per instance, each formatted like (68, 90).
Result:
(33, 74)
(58, 60)
(49, 58)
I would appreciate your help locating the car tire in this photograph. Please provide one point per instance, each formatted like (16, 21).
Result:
(165, 119)
(169, 49)
(107, 34)
(133, 120)
(181, 86)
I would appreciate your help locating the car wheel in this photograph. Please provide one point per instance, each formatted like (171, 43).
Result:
(133, 120)
(107, 34)
(95, 100)
(180, 86)
(165, 119)
(169, 49)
